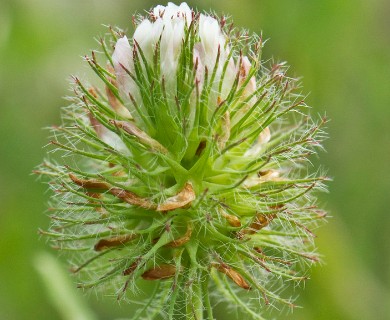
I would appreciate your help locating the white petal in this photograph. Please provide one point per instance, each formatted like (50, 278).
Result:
(143, 33)
(158, 11)
(172, 11)
(187, 12)
(171, 42)
(211, 38)
(146, 35)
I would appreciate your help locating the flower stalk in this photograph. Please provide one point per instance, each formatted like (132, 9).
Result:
(186, 167)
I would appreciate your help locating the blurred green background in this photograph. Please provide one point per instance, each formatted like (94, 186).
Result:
(342, 50)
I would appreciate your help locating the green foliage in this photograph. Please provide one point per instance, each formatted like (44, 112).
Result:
(341, 49)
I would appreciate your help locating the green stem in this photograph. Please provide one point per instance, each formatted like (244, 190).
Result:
(195, 304)
(205, 287)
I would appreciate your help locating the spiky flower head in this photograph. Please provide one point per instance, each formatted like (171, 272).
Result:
(186, 167)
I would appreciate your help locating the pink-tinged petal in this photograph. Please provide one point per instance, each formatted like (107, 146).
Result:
(107, 136)
(244, 73)
(244, 67)
(122, 54)
(198, 58)
(122, 60)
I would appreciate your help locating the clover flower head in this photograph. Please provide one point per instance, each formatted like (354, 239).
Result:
(187, 168)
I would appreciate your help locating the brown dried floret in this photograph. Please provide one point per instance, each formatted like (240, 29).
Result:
(90, 183)
(232, 274)
(260, 221)
(132, 198)
(182, 240)
(106, 243)
(231, 219)
(162, 271)
(183, 198)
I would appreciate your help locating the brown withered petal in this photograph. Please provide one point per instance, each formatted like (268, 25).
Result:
(261, 221)
(162, 271)
(120, 173)
(182, 240)
(133, 130)
(130, 269)
(97, 196)
(184, 197)
(94, 195)
(90, 183)
(269, 175)
(93, 92)
(132, 198)
(116, 241)
(232, 274)
(231, 219)
(263, 176)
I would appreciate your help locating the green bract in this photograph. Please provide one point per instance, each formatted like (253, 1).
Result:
(186, 166)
